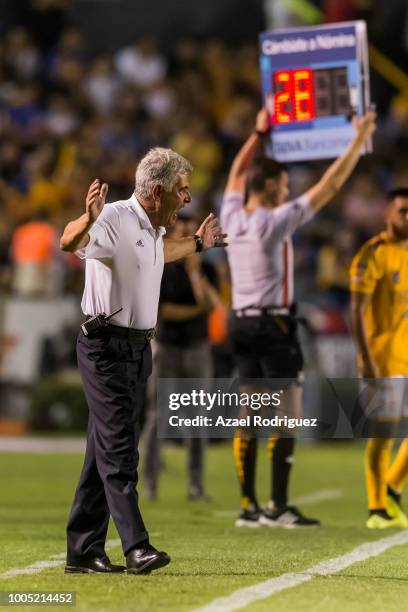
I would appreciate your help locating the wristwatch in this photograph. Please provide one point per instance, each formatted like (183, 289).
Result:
(199, 243)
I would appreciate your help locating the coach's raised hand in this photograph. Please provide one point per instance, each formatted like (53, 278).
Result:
(95, 199)
(75, 234)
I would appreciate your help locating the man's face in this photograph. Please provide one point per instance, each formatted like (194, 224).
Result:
(276, 190)
(398, 217)
(172, 201)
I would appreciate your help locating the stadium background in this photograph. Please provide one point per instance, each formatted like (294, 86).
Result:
(86, 87)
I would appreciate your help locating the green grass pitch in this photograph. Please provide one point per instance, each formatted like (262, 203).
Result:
(210, 557)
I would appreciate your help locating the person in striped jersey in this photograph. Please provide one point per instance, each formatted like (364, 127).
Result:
(260, 222)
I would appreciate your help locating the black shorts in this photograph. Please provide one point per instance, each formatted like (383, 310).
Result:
(266, 347)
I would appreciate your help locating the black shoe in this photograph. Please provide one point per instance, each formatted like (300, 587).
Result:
(93, 565)
(249, 517)
(144, 560)
(288, 517)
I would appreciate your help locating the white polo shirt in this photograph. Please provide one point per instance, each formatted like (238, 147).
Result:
(260, 252)
(124, 265)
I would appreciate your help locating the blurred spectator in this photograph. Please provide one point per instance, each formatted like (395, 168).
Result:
(102, 85)
(142, 64)
(22, 60)
(364, 205)
(70, 47)
(25, 111)
(160, 100)
(197, 143)
(333, 264)
(10, 161)
(45, 192)
(60, 119)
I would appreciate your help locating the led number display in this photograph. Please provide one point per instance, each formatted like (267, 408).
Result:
(304, 94)
(314, 79)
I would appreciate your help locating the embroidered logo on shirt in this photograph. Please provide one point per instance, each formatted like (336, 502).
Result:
(140, 243)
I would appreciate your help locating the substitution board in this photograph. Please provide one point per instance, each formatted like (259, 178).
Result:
(313, 81)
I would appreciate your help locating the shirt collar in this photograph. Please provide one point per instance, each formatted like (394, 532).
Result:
(144, 220)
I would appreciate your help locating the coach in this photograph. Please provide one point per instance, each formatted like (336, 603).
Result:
(124, 250)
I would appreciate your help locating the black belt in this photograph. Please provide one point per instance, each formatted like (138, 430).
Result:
(127, 332)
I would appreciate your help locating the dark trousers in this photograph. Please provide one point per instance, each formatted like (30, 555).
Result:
(114, 367)
(266, 347)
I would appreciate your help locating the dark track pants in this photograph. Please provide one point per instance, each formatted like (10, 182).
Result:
(114, 367)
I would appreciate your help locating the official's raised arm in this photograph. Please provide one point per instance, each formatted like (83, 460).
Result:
(339, 171)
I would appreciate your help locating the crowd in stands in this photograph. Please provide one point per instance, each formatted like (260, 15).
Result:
(67, 116)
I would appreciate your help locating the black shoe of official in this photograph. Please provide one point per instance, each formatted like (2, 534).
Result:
(250, 517)
(288, 517)
(146, 559)
(93, 565)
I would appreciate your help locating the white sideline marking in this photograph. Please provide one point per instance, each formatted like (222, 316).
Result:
(36, 567)
(303, 500)
(53, 561)
(248, 595)
(43, 446)
(318, 496)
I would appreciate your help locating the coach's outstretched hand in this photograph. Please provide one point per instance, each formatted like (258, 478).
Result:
(210, 233)
(95, 199)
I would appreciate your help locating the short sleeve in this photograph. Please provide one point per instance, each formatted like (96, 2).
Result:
(366, 269)
(284, 220)
(232, 202)
(104, 236)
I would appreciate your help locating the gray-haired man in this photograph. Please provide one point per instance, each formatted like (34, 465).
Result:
(124, 250)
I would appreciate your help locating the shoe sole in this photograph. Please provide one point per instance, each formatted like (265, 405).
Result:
(72, 569)
(151, 565)
(244, 523)
(275, 524)
(382, 526)
(264, 522)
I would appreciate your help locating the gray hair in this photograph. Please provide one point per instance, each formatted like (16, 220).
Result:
(159, 166)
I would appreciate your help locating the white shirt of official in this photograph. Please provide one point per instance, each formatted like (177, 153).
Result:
(124, 265)
(260, 252)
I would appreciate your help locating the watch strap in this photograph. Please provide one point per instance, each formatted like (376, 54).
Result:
(199, 243)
